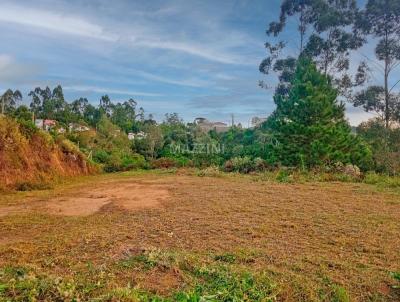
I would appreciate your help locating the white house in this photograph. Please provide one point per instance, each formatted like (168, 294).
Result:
(139, 135)
(206, 125)
(75, 127)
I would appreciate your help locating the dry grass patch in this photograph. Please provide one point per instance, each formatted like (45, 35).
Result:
(230, 235)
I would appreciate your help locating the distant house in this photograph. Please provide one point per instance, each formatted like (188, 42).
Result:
(61, 130)
(139, 135)
(206, 125)
(257, 121)
(45, 124)
(76, 127)
(39, 123)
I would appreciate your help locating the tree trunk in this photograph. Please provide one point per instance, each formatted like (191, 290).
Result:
(387, 62)
(387, 116)
(302, 32)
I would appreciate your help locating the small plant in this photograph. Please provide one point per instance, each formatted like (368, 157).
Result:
(164, 163)
(396, 276)
(340, 294)
(221, 284)
(283, 176)
(228, 258)
(240, 164)
(212, 171)
(260, 165)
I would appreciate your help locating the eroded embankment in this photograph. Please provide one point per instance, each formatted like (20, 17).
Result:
(31, 158)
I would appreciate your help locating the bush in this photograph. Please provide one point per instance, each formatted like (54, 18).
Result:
(212, 171)
(116, 160)
(260, 164)
(114, 163)
(396, 276)
(27, 128)
(384, 181)
(101, 156)
(240, 164)
(67, 146)
(228, 166)
(284, 175)
(165, 163)
(134, 161)
(385, 145)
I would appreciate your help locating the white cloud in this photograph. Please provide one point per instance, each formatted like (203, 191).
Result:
(54, 22)
(216, 55)
(184, 82)
(216, 45)
(109, 90)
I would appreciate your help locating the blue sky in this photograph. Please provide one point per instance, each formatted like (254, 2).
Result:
(197, 58)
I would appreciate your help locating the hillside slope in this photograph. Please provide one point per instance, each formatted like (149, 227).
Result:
(31, 158)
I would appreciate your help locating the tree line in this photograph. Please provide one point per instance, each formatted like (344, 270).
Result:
(307, 130)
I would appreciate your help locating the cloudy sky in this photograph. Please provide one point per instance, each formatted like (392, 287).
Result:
(197, 58)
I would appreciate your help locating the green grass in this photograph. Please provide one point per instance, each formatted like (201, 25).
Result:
(206, 279)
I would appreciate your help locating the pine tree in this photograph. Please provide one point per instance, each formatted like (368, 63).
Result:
(309, 126)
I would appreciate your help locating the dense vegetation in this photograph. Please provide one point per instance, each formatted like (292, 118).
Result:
(308, 129)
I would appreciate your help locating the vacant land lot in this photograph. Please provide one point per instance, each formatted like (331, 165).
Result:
(182, 237)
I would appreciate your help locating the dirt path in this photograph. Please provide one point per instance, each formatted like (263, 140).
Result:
(86, 201)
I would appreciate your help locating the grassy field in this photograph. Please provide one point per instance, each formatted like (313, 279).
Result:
(153, 236)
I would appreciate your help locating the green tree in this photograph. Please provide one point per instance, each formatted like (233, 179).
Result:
(39, 96)
(308, 127)
(92, 115)
(9, 100)
(325, 35)
(50, 104)
(381, 20)
(152, 143)
(22, 113)
(300, 9)
(106, 105)
(124, 115)
(385, 145)
(78, 107)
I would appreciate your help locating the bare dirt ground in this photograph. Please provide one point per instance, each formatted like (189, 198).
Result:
(89, 200)
(306, 237)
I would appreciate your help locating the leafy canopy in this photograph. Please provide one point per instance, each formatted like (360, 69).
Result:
(309, 127)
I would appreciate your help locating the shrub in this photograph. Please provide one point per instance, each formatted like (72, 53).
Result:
(260, 164)
(385, 145)
(212, 171)
(67, 146)
(101, 156)
(164, 163)
(241, 164)
(114, 163)
(396, 276)
(134, 161)
(116, 160)
(352, 170)
(228, 166)
(384, 181)
(283, 175)
(27, 128)
(349, 170)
